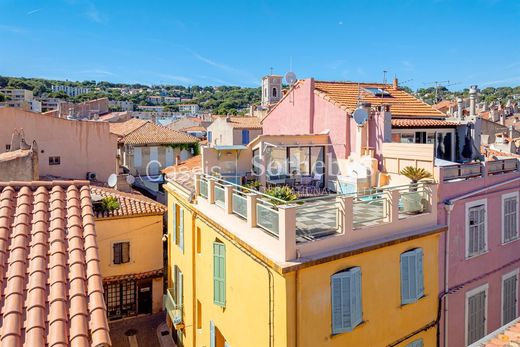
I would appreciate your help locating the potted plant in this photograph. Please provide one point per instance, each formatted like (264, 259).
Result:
(284, 193)
(412, 200)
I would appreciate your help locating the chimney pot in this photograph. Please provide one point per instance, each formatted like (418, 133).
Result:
(396, 83)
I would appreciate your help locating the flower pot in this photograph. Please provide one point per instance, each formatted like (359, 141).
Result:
(412, 202)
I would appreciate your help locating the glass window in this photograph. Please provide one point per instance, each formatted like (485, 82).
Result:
(277, 164)
(407, 138)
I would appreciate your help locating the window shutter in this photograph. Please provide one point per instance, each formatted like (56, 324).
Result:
(337, 303)
(181, 229)
(355, 287)
(406, 278)
(219, 274)
(420, 273)
(226, 344)
(180, 283)
(509, 303)
(174, 232)
(416, 343)
(212, 341)
(125, 252)
(117, 253)
(245, 137)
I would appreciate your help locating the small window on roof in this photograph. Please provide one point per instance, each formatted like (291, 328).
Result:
(377, 92)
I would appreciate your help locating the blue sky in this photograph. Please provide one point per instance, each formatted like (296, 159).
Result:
(237, 42)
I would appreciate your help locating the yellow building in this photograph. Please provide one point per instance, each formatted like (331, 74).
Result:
(130, 251)
(334, 271)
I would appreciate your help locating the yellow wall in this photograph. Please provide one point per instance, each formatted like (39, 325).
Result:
(301, 298)
(145, 236)
(385, 320)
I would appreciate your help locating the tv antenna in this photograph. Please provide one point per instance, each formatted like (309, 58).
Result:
(437, 85)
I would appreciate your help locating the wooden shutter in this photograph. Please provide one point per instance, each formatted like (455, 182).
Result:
(476, 317)
(219, 273)
(481, 228)
(181, 229)
(125, 252)
(408, 277)
(117, 253)
(420, 274)
(346, 300)
(180, 284)
(174, 232)
(510, 219)
(509, 301)
(212, 337)
(245, 137)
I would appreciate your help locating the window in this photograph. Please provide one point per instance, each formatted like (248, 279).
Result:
(178, 286)
(219, 273)
(7, 148)
(412, 278)
(476, 228)
(245, 137)
(476, 312)
(210, 134)
(378, 92)
(178, 226)
(509, 217)
(121, 252)
(275, 93)
(54, 160)
(346, 300)
(416, 343)
(509, 297)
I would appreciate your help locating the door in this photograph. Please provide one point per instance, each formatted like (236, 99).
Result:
(144, 297)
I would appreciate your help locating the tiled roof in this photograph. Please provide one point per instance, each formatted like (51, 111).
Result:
(401, 103)
(194, 128)
(243, 122)
(150, 133)
(130, 204)
(52, 284)
(184, 173)
(506, 336)
(135, 276)
(421, 123)
(124, 128)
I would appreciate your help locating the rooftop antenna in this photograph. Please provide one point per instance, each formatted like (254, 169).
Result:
(271, 69)
(437, 85)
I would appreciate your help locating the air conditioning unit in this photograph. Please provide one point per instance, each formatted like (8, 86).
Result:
(91, 176)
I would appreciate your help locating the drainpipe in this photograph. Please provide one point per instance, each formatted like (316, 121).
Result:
(449, 207)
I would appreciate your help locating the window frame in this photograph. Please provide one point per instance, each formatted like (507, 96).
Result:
(482, 288)
(113, 244)
(54, 160)
(468, 206)
(504, 198)
(504, 278)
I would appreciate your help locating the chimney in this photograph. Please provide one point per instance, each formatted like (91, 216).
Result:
(396, 84)
(460, 111)
(472, 100)
(510, 128)
(502, 118)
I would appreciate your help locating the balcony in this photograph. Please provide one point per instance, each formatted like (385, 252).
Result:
(307, 227)
(467, 171)
(174, 311)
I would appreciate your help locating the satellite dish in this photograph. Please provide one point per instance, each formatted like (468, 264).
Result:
(130, 179)
(290, 78)
(112, 180)
(360, 115)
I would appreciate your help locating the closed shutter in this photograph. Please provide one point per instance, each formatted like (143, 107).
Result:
(174, 232)
(510, 219)
(180, 284)
(476, 317)
(181, 229)
(477, 230)
(219, 273)
(416, 343)
(117, 253)
(212, 338)
(245, 137)
(125, 252)
(420, 273)
(346, 300)
(509, 301)
(412, 276)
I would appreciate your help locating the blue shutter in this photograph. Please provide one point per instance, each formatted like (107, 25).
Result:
(406, 277)
(212, 341)
(416, 343)
(420, 274)
(174, 224)
(245, 137)
(181, 229)
(209, 136)
(226, 344)
(356, 306)
(346, 300)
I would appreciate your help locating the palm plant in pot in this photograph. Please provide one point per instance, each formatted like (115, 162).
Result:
(412, 200)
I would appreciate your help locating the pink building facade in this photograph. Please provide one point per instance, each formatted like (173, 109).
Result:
(480, 259)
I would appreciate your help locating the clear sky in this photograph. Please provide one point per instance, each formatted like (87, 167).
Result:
(236, 42)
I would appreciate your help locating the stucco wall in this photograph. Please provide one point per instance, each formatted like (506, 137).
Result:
(166, 156)
(81, 145)
(493, 264)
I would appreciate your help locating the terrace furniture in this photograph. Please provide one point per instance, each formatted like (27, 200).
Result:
(276, 180)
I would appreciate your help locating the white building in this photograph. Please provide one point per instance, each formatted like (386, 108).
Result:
(124, 105)
(189, 108)
(160, 100)
(71, 91)
(49, 104)
(17, 94)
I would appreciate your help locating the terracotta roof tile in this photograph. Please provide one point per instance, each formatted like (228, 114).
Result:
(401, 103)
(135, 276)
(194, 128)
(243, 122)
(130, 204)
(49, 280)
(421, 123)
(122, 129)
(150, 133)
(184, 173)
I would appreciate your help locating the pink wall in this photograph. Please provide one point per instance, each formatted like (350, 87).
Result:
(82, 145)
(495, 261)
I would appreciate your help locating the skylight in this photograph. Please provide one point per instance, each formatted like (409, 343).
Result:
(377, 91)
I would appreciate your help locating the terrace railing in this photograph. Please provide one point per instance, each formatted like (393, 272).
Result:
(239, 203)
(219, 194)
(318, 218)
(475, 170)
(267, 216)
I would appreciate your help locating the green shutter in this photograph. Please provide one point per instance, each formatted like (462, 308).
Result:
(181, 229)
(219, 274)
(174, 241)
(212, 338)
